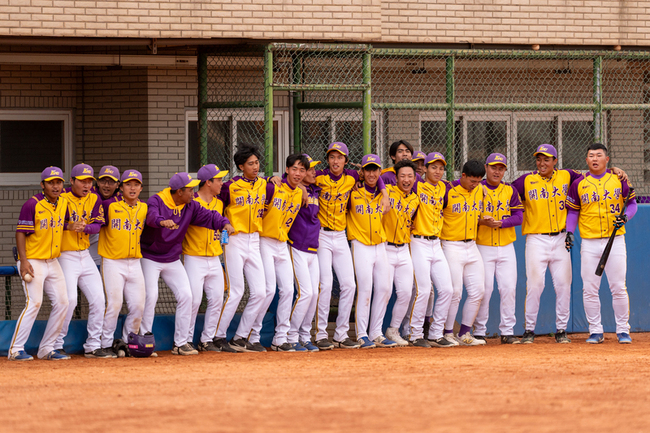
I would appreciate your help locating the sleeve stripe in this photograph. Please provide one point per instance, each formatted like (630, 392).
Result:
(572, 206)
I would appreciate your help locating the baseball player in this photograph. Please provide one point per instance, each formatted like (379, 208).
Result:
(303, 241)
(78, 267)
(39, 236)
(418, 159)
(595, 201)
(502, 212)
(283, 203)
(404, 201)
(429, 262)
(398, 151)
(368, 241)
(336, 183)
(107, 185)
(169, 215)
(201, 251)
(461, 212)
(119, 247)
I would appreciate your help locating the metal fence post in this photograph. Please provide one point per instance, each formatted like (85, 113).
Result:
(451, 121)
(598, 99)
(367, 104)
(297, 99)
(268, 111)
(203, 111)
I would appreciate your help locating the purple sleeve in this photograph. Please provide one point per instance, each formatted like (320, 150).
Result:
(572, 219)
(515, 219)
(153, 212)
(573, 197)
(224, 195)
(447, 188)
(574, 175)
(26, 217)
(631, 208)
(203, 217)
(520, 186)
(270, 190)
(353, 173)
(381, 184)
(97, 218)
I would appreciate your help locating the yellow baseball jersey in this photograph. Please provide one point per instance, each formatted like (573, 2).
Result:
(283, 206)
(461, 211)
(599, 202)
(119, 238)
(544, 200)
(89, 209)
(428, 219)
(43, 223)
(202, 241)
(333, 198)
(244, 203)
(364, 219)
(398, 220)
(501, 203)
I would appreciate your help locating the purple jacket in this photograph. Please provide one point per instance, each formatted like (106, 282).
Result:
(304, 232)
(164, 245)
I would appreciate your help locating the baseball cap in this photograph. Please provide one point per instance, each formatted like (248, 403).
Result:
(210, 171)
(339, 147)
(312, 163)
(83, 171)
(182, 180)
(370, 159)
(546, 149)
(419, 155)
(131, 175)
(109, 171)
(435, 156)
(496, 158)
(51, 173)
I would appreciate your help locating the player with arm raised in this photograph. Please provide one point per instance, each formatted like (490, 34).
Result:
(595, 201)
(502, 212)
(39, 235)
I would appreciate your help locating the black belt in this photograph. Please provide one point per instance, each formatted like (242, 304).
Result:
(395, 245)
(427, 238)
(463, 240)
(553, 233)
(327, 229)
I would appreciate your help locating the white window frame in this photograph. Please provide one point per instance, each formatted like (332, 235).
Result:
(34, 178)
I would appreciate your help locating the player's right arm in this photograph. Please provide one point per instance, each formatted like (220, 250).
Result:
(26, 226)
(25, 266)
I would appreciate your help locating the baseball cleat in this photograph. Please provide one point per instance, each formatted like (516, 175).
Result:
(393, 334)
(442, 342)
(241, 345)
(528, 337)
(509, 339)
(284, 347)
(595, 339)
(450, 338)
(223, 345)
(324, 344)
(185, 350)
(311, 347)
(98, 353)
(257, 347)
(21, 355)
(110, 352)
(560, 337)
(382, 341)
(298, 347)
(208, 347)
(624, 338)
(467, 339)
(347, 344)
(55, 355)
(365, 343)
(481, 337)
(421, 342)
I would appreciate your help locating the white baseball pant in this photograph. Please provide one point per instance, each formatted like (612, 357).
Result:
(371, 271)
(94, 241)
(48, 278)
(205, 273)
(174, 275)
(277, 268)
(544, 251)
(123, 278)
(616, 267)
(333, 251)
(242, 257)
(80, 269)
(400, 272)
(429, 265)
(306, 274)
(466, 268)
(499, 262)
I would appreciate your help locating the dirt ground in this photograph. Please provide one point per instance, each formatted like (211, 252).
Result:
(539, 387)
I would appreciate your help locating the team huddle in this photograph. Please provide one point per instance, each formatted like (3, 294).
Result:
(403, 229)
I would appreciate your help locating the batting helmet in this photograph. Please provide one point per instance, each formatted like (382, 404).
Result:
(141, 346)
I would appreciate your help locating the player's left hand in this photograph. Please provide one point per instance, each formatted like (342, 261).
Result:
(620, 221)
(568, 242)
(622, 176)
(275, 180)
(385, 204)
(230, 229)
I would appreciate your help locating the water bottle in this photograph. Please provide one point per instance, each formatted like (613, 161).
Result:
(224, 237)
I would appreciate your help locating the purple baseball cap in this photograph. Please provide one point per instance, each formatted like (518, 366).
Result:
(435, 156)
(52, 173)
(419, 155)
(182, 180)
(210, 171)
(109, 171)
(312, 163)
(546, 149)
(370, 159)
(339, 147)
(83, 171)
(131, 175)
(496, 158)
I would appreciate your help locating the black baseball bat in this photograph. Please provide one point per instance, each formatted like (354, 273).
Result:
(603, 259)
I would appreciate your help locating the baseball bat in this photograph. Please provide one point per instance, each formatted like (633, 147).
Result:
(603, 259)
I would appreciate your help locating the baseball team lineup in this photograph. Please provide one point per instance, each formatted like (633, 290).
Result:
(403, 229)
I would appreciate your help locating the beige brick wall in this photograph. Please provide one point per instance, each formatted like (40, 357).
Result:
(574, 22)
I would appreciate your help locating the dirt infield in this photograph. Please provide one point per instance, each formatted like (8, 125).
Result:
(539, 387)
